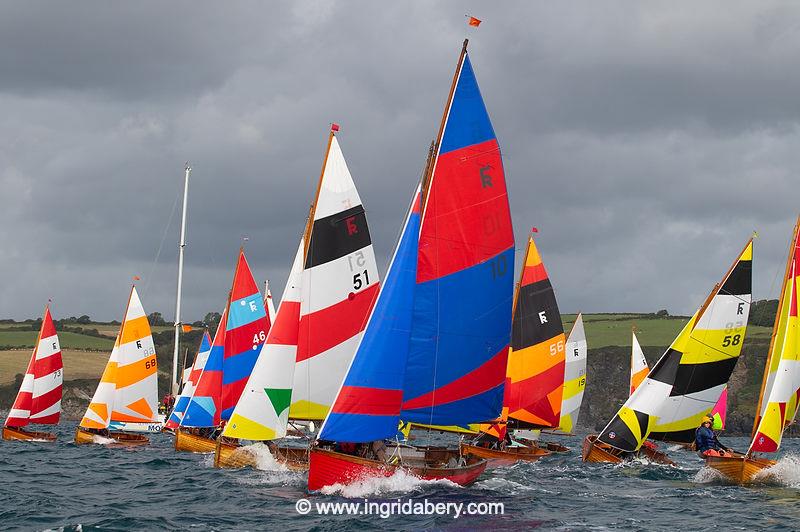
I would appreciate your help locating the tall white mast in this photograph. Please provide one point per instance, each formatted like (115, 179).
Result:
(181, 245)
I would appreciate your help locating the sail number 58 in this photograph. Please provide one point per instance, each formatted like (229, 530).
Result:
(731, 340)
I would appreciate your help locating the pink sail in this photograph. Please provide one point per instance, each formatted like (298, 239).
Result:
(719, 411)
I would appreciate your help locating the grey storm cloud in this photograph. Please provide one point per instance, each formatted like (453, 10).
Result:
(646, 141)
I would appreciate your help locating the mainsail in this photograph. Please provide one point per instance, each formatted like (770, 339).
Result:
(460, 333)
(39, 397)
(128, 388)
(688, 379)
(246, 329)
(536, 359)
(331, 290)
(778, 401)
(639, 368)
(190, 383)
(435, 348)
(574, 377)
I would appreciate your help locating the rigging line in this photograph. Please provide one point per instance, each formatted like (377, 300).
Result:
(161, 245)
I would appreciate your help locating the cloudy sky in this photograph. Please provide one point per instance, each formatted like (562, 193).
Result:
(645, 140)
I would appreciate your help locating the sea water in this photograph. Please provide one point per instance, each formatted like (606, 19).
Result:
(69, 487)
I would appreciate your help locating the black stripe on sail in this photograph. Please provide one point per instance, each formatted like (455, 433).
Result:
(666, 369)
(740, 281)
(681, 436)
(692, 378)
(536, 317)
(618, 435)
(337, 236)
(644, 421)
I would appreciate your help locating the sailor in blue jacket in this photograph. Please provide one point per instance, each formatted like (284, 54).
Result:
(706, 441)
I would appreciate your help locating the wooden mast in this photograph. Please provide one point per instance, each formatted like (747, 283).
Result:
(436, 145)
(775, 325)
(313, 207)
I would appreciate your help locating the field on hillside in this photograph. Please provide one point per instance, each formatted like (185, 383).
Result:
(68, 340)
(603, 330)
(77, 364)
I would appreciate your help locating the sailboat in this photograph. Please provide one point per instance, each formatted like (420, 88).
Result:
(574, 377)
(536, 369)
(237, 344)
(128, 389)
(435, 347)
(687, 380)
(190, 385)
(780, 386)
(39, 397)
(332, 286)
(639, 368)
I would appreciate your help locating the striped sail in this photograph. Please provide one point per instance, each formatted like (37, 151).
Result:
(205, 404)
(779, 401)
(190, 383)
(464, 287)
(98, 413)
(574, 377)
(136, 379)
(639, 368)
(688, 379)
(39, 396)
(367, 407)
(262, 412)
(246, 329)
(536, 359)
(339, 288)
(332, 287)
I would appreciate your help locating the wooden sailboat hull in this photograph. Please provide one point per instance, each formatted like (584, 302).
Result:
(553, 447)
(18, 433)
(738, 468)
(121, 439)
(509, 455)
(192, 443)
(233, 455)
(330, 467)
(599, 452)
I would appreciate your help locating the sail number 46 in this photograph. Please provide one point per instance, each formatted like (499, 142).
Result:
(731, 340)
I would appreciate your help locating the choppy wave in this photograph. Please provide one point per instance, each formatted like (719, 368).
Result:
(399, 482)
(64, 486)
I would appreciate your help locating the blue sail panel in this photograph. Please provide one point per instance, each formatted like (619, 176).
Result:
(367, 407)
